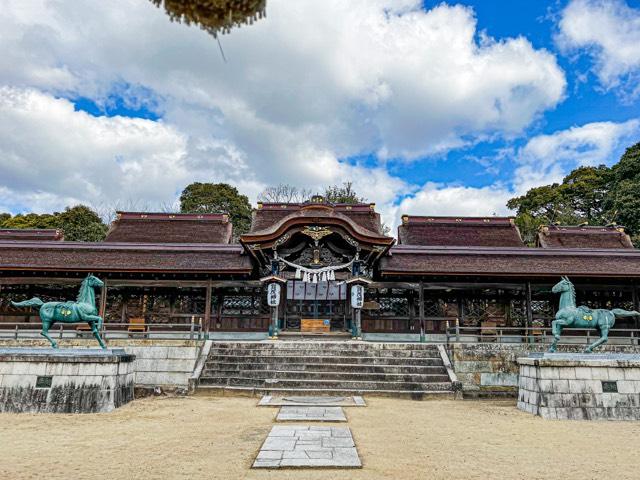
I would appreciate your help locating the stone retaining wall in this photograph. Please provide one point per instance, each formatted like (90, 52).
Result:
(492, 368)
(168, 364)
(72, 381)
(581, 387)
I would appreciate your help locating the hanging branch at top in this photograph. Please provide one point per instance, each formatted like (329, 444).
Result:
(214, 16)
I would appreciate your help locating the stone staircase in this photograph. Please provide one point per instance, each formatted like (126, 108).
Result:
(408, 370)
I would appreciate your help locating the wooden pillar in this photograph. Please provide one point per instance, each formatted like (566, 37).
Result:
(529, 319)
(207, 308)
(636, 304)
(103, 299)
(421, 311)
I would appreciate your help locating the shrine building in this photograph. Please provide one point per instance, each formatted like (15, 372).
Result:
(464, 276)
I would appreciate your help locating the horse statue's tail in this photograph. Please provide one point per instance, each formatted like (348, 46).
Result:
(34, 302)
(618, 312)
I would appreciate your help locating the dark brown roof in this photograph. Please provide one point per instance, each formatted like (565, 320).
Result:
(363, 214)
(45, 234)
(526, 262)
(140, 227)
(316, 214)
(582, 237)
(459, 231)
(123, 257)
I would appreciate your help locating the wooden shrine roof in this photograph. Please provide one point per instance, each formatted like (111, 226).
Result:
(123, 257)
(583, 236)
(141, 227)
(362, 214)
(459, 231)
(44, 234)
(282, 217)
(405, 260)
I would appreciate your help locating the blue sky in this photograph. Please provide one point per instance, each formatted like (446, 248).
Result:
(429, 108)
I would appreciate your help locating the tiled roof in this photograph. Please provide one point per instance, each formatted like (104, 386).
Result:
(363, 214)
(582, 237)
(140, 227)
(45, 234)
(123, 257)
(459, 231)
(524, 262)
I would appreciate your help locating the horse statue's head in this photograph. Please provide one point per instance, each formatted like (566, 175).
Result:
(563, 285)
(93, 281)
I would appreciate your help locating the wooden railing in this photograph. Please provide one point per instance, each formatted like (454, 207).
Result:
(458, 334)
(193, 330)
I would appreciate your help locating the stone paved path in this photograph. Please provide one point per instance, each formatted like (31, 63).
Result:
(276, 401)
(311, 414)
(308, 447)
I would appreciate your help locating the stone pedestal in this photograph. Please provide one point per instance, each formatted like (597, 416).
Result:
(580, 386)
(65, 381)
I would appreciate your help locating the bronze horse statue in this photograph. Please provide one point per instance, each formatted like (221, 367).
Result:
(570, 315)
(82, 310)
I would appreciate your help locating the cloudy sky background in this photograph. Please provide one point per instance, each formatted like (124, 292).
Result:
(428, 107)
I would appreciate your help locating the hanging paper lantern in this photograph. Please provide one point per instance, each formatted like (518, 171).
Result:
(214, 16)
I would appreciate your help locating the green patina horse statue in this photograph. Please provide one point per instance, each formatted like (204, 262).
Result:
(82, 310)
(570, 315)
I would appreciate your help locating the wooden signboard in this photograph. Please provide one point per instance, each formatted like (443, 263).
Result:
(315, 325)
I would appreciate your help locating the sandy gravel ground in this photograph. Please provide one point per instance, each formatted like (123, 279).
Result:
(214, 437)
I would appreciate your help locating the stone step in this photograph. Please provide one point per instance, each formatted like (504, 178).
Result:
(328, 376)
(328, 359)
(325, 346)
(347, 349)
(326, 367)
(301, 350)
(318, 392)
(322, 383)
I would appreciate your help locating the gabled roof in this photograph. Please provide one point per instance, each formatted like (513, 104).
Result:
(41, 235)
(584, 236)
(362, 214)
(301, 215)
(459, 231)
(142, 227)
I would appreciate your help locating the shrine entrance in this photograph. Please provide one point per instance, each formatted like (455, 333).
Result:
(316, 307)
(315, 252)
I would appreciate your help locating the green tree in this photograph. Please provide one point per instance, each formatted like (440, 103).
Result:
(584, 192)
(623, 200)
(597, 195)
(31, 220)
(581, 197)
(79, 223)
(218, 198)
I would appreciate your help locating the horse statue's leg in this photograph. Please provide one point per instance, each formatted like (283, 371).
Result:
(46, 324)
(556, 330)
(94, 321)
(604, 337)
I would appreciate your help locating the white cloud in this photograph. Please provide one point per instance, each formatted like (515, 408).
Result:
(52, 156)
(435, 199)
(609, 30)
(548, 158)
(310, 84)
(543, 160)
